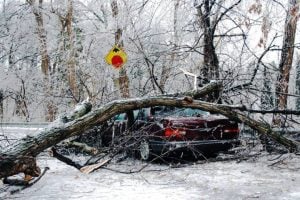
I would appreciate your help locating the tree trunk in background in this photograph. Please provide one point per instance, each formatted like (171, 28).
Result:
(36, 9)
(210, 68)
(123, 78)
(66, 61)
(267, 97)
(298, 83)
(282, 85)
(21, 108)
(167, 67)
(71, 62)
(1, 104)
(45, 62)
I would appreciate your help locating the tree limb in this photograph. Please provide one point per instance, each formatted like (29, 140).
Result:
(50, 136)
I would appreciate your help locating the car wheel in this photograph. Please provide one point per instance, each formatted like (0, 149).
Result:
(145, 150)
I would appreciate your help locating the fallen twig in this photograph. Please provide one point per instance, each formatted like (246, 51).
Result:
(64, 159)
(90, 168)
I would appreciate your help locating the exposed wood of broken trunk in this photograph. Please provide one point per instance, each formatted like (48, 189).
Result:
(21, 157)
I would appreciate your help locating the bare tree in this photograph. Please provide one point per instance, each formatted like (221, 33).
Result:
(287, 53)
(123, 77)
(45, 60)
(37, 11)
(71, 63)
(209, 13)
(166, 68)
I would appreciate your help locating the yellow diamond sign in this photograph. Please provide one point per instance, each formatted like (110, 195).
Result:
(116, 57)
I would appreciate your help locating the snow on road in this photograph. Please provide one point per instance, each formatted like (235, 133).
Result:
(252, 179)
(16, 132)
(263, 177)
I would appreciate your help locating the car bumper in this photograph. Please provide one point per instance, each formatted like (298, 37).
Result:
(205, 146)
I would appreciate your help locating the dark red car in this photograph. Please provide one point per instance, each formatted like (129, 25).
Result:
(163, 130)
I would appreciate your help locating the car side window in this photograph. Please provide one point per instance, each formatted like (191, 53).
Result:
(119, 117)
(141, 115)
(138, 114)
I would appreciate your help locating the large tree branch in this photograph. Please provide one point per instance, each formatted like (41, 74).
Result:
(53, 135)
(32, 146)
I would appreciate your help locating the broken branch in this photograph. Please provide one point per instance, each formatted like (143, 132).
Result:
(34, 145)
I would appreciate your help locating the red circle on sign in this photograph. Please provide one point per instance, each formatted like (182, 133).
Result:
(117, 61)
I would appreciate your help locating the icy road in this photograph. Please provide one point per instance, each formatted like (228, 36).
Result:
(263, 177)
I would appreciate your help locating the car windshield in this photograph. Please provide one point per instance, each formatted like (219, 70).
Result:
(138, 114)
(162, 111)
(178, 112)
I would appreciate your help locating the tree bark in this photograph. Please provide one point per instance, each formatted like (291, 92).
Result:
(1, 104)
(11, 165)
(282, 85)
(210, 68)
(209, 20)
(297, 84)
(45, 61)
(123, 77)
(36, 9)
(71, 63)
(20, 157)
(30, 147)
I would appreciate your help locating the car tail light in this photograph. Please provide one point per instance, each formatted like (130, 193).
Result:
(231, 130)
(174, 132)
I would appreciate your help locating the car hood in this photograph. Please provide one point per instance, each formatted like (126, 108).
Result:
(194, 122)
(206, 118)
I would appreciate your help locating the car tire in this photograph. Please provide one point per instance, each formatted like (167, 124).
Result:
(145, 150)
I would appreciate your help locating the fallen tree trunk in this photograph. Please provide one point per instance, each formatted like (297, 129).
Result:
(32, 146)
(20, 157)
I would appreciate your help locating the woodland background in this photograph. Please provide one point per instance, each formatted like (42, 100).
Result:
(52, 52)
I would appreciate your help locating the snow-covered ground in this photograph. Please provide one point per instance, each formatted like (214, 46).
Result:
(260, 177)
(252, 179)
